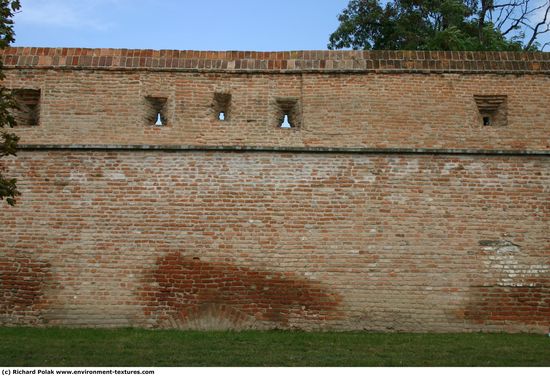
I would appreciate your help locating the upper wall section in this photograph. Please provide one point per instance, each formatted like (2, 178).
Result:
(360, 100)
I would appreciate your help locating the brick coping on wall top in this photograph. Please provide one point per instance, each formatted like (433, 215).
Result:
(279, 62)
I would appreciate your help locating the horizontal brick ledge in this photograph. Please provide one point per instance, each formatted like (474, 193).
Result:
(232, 148)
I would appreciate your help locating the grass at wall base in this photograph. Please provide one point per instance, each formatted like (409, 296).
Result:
(137, 347)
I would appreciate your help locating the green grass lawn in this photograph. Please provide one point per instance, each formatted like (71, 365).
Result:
(137, 347)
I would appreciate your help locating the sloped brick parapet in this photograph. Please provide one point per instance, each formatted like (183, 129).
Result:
(280, 62)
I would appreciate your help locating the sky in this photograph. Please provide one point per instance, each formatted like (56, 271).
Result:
(257, 25)
(254, 25)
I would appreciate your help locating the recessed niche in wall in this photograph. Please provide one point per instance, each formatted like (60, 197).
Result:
(155, 111)
(492, 109)
(222, 106)
(27, 113)
(288, 113)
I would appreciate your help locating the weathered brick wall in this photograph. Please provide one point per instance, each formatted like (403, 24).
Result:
(390, 206)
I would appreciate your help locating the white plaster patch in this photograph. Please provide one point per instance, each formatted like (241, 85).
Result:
(503, 178)
(369, 178)
(412, 166)
(474, 167)
(115, 176)
(397, 198)
(448, 167)
(511, 271)
(502, 246)
(77, 176)
(546, 184)
(513, 284)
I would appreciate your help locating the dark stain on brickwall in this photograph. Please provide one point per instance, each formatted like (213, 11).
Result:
(528, 304)
(22, 281)
(181, 287)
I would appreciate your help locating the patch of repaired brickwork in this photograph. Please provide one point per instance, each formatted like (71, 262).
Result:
(529, 304)
(519, 291)
(23, 279)
(187, 292)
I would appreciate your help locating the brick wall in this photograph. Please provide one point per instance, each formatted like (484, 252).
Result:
(389, 205)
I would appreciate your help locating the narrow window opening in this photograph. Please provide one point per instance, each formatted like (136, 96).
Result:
(156, 111)
(159, 120)
(492, 110)
(288, 113)
(285, 123)
(222, 106)
(27, 112)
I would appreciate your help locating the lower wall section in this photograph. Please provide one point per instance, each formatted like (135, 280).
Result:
(216, 240)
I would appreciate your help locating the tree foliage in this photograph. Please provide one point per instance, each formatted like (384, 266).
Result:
(474, 25)
(8, 141)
